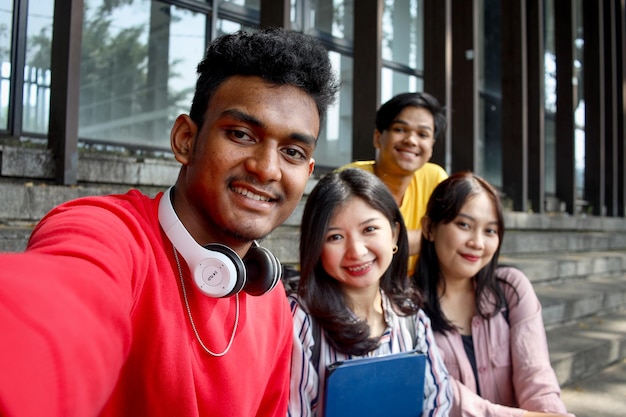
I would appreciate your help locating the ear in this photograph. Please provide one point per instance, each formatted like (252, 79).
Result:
(426, 225)
(182, 138)
(376, 141)
(395, 233)
(311, 166)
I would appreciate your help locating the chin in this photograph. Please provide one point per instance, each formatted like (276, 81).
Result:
(246, 234)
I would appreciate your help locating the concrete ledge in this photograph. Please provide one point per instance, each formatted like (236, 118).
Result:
(528, 221)
(14, 239)
(98, 167)
(548, 266)
(603, 394)
(29, 201)
(575, 299)
(519, 241)
(588, 346)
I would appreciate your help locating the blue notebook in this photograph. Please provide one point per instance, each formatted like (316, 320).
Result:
(391, 385)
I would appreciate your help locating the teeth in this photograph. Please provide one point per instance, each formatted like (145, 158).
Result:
(359, 268)
(250, 194)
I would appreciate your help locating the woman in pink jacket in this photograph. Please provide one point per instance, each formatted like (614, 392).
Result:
(487, 319)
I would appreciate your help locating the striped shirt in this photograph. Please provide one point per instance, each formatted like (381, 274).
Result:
(403, 333)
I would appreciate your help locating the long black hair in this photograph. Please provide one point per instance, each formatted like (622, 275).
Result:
(320, 293)
(444, 205)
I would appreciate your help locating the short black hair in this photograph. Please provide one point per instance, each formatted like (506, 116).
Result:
(388, 112)
(277, 55)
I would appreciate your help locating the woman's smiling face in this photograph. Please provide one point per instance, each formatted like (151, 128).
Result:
(466, 244)
(358, 247)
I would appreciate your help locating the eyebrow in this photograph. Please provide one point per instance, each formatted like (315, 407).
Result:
(404, 122)
(363, 223)
(467, 216)
(251, 120)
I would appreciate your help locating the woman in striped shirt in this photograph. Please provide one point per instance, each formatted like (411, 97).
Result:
(353, 288)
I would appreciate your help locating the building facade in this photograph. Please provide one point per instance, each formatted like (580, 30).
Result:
(534, 89)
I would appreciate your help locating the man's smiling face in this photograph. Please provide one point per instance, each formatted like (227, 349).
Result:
(246, 168)
(408, 143)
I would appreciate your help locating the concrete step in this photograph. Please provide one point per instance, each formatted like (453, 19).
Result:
(572, 300)
(548, 266)
(603, 394)
(13, 238)
(531, 241)
(588, 346)
(28, 201)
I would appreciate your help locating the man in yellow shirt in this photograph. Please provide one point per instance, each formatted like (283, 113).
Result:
(406, 129)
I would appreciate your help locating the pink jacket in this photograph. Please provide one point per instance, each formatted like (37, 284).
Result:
(512, 359)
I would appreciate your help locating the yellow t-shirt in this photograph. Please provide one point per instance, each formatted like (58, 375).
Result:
(416, 196)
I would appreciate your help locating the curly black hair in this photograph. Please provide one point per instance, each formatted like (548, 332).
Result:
(280, 56)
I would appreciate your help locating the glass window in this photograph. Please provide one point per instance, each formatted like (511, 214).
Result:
(335, 17)
(334, 146)
(138, 70)
(225, 26)
(36, 97)
(395, 82)
(251, 4)
(6, 27)
(550, 100)
(296, 14)
(579, 112)
(403, 33)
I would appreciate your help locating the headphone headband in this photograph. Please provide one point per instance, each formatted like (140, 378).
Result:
(213, 271)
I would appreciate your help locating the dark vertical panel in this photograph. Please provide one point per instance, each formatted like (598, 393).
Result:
(275, 13)
(489, 111)
(610, 166)
(594, 104)
(463, 103)
(564, 144)
(437, 69)
(514, 103)
(536, 109)
(620, 62)
(368, 65)
(211, 32)
(18, 60)
(64, 88)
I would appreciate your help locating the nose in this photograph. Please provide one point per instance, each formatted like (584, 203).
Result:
(264, 163)
(476, 241)
(355, 248)
(411, 137)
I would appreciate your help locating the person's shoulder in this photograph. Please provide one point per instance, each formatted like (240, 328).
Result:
(429, 176)
(294, 303)
(365, 165)
(105, 210)
(133, 197)
(513, 275)
(431, 170)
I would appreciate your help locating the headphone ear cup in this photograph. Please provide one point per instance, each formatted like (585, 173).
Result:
(226, 280)
(263, 269)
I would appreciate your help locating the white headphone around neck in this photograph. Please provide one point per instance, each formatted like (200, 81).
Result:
(217, 270)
